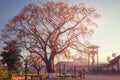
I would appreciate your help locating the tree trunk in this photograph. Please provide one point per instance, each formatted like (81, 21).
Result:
(37, 69)
(38, 72)
(50, 68)
(9, 73)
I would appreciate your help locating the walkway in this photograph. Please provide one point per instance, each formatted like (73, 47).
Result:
(94, 77)
(99, 77)
(88, 77)
(102, 77)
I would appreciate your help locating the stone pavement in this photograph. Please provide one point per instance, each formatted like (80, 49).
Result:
(99, 77)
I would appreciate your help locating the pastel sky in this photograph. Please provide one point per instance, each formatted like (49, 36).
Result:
(106, 35)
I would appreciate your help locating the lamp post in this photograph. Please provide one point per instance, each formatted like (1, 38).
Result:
(92, 51)
(26, 68)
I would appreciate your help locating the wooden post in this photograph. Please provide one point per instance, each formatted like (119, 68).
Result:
(64, 72)
(75, 70)
(97, 61)
(88, 62)
(60, 70)
(118, 66)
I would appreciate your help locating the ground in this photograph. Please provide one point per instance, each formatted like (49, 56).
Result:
(89, 77)
(99, 77)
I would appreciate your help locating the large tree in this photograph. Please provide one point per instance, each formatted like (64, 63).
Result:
(52, 28)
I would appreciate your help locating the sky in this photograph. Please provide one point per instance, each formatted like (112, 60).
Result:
(106, 35)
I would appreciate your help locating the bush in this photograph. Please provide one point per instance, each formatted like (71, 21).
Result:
(4, 74)
(73, 76)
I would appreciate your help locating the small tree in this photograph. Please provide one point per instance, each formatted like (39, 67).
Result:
(51, 29)
(80, 59)
(113, 55)
(12, 57)
(36, 62)
(108, 59)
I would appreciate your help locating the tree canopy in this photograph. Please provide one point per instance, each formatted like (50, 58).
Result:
(36, 62)
(12, 57)
(52, 28)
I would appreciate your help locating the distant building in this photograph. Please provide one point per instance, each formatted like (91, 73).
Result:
(69, 66)
(115, 63)
(113, 66)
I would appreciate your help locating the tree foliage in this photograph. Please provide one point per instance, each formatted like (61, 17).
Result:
(113, 55)
(52, 28)
(108, 59)
(11, 56)
(36, 62)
